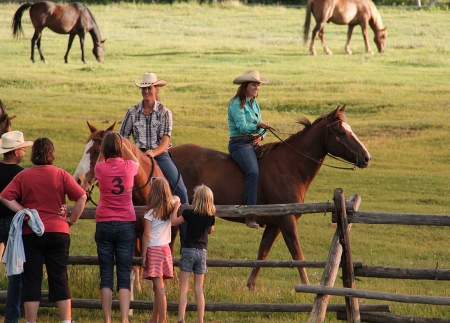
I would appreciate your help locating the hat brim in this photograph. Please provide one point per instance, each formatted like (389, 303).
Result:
(248, 78)
(157, 83)
(24, 144)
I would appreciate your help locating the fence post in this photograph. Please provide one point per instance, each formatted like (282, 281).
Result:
(330, 272)
(348, 274)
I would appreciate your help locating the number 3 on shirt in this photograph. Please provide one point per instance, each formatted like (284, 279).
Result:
(120, 187)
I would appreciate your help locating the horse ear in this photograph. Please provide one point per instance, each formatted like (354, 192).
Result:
(103, 40)
(91, 127)
(111, 127)
(10, 118)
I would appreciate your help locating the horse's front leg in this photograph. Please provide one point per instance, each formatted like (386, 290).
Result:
(366, 38)
(349, 36)
(267, 240)
(69, 45)
(81, 35)
(289, 231)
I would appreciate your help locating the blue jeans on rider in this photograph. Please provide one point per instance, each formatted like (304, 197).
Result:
(243, 154)
(14, 292)
(115, 240)
(171, 172)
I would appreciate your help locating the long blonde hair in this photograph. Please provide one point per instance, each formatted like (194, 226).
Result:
(160, 199)
(203, 201)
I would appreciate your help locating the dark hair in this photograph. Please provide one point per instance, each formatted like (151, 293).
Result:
(241, 93)
(43, 152)
(111, 145)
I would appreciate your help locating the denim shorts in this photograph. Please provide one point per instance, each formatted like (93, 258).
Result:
(193, 260)
(115, 241)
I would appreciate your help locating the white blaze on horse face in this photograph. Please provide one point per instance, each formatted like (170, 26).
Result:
(347, 127)
(84, 165)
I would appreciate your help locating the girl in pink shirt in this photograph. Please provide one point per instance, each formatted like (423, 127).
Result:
(115, 217)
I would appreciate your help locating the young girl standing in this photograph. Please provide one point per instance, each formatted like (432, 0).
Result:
(200, 223)
(156, 254)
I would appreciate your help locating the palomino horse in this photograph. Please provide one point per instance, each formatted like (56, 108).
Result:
(5, 120)
(344, 12)
(286, 170)
(148, 168)
(73, 19)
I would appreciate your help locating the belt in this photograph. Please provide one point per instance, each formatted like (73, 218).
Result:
(143, 149)
(246, 137)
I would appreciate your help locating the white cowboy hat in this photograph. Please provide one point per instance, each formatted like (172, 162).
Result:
(250, 76)
(13, 140)
(150, 79)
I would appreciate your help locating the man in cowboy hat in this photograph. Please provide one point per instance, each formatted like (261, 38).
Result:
(12, 146)
(150, 123)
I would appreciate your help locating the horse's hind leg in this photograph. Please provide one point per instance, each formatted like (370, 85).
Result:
(267, 240)
(69, 45)
(290, 236)
(324, 45)
(349, 36)
(36, 41)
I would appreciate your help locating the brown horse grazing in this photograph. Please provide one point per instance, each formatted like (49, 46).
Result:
(5, 120)
(148, 168)
(344, 12)
(73, 19)
(286, 170)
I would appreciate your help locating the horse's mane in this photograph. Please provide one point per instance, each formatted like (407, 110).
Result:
(375, 15)
(306, 123)
(79, 6)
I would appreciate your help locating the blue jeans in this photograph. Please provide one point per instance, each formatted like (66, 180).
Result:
(14, 292)
(115, 239)
(171, 172)
(193, 260)
(243, 154)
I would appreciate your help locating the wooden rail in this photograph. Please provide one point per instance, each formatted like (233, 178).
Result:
(212, 306)
(351, 292)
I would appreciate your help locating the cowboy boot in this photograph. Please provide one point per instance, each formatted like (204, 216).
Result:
(251, 222)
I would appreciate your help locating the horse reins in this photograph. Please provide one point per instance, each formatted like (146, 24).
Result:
(272, 130)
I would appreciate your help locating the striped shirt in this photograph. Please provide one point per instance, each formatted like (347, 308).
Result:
(147, 131)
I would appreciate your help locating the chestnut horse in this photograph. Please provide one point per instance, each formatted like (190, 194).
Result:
(73, 19)
(286, 170)
(344, 12)
(148, 168)
(5, 120)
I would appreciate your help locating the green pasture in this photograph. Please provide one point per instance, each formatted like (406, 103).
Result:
(397, 104)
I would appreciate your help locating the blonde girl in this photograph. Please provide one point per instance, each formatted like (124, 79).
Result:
(200, 223)
(156, 254)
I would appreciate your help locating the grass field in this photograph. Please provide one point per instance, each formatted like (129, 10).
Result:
(397, 103)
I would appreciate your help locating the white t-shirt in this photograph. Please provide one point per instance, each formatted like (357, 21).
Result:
(161, 231)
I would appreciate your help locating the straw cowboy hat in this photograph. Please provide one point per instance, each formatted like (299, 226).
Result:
(250, 76)
(150, 79)
(13, 140)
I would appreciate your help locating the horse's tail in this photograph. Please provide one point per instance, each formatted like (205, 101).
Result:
(17, 20)
(307, 21)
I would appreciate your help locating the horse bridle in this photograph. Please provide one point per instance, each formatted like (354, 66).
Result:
(325, 119)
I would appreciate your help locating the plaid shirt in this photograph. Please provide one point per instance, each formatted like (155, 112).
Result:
(147, 131)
